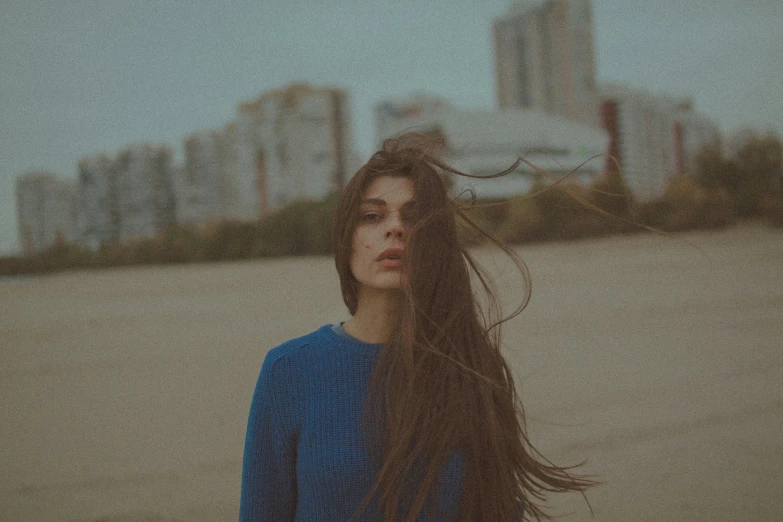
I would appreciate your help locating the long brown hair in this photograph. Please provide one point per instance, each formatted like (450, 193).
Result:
(440, 384)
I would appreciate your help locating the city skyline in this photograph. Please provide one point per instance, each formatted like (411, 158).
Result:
(69, 90)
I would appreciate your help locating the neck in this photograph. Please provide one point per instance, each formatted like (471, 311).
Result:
(376, 316)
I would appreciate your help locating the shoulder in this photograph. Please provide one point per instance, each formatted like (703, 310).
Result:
(290, 352)
(290, 369)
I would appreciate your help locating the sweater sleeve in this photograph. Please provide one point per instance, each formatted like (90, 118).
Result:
(269, 462)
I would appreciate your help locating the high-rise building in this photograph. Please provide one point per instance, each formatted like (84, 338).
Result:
(201, 184)
(652, 136)
(131, 195)
(145, 190)
(100, 220)
(307, 144)
(241, 164)
(291, 143)
(46, 209)
(544, 58)
(484, 142)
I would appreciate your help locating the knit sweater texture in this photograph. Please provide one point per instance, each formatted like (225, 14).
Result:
(305, 458)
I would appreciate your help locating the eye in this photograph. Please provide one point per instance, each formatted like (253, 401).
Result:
(370, 217)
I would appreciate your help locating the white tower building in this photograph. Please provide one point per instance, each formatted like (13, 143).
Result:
(131, 195)
(653, 136)
(544, 58)
(145, 191)
(200, 185)
(46, 209)
(307, 144)
(240, 177)
(99, 213)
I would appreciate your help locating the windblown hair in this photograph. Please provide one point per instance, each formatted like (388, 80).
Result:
(440, 384)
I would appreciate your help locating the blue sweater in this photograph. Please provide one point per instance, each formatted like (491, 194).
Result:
(304, 457)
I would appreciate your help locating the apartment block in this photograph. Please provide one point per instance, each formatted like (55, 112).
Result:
(291, 143)
(202, 184)
(544, 58)
(47, 211)
(99, 213)
(242, 164)
(127, 196)
(653, 136)
(288, 144)
(145, 191)
(307, 145)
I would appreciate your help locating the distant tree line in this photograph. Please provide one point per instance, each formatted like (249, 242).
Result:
(722, 189)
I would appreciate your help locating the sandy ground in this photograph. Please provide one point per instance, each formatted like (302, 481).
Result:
(124, 393)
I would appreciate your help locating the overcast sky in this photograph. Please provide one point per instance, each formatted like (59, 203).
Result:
(79, 77)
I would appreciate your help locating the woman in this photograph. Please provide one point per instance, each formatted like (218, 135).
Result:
(407, 411)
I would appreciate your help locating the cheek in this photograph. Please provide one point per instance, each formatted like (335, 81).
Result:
(362, 239)
(361, 252)
(362, 245)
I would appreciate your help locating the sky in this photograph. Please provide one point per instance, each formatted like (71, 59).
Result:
(80, 77)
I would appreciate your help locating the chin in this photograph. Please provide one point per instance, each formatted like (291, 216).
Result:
(390, 281)
(389, 285)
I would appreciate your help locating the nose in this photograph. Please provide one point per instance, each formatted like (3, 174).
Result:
(396, 227)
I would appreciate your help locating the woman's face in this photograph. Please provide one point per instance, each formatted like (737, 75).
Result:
(385, 215)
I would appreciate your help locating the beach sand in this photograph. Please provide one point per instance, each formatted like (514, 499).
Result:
(124, 393)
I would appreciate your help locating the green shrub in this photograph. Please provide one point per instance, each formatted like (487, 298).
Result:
(771, 207)
(523, 222)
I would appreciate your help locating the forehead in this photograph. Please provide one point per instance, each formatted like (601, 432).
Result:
(391, 189)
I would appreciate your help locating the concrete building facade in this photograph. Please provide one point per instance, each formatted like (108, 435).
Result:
(483, 142)
(201, 183)
(292, 143)
(544, 58)
(47, 211)
(145, 191)
(653, 136)
(240, 176)
(99, 212)
(307, 144)
(128, 196)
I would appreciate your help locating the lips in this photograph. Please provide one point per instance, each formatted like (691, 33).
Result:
(391, 253)
(391, 257)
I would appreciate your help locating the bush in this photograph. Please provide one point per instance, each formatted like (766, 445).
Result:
(566, 213)
(610, 193)
(230, 240)
(754, 172)
(771, 206)
(179, 244)
(523, 222)
(485, 213)
(719, 208)
(686, 204)
(301, 228)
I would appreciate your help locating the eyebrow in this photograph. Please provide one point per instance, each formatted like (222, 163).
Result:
(373, 201)
(381, 202)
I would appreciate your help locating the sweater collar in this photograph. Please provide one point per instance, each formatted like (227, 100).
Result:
(349, 343)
